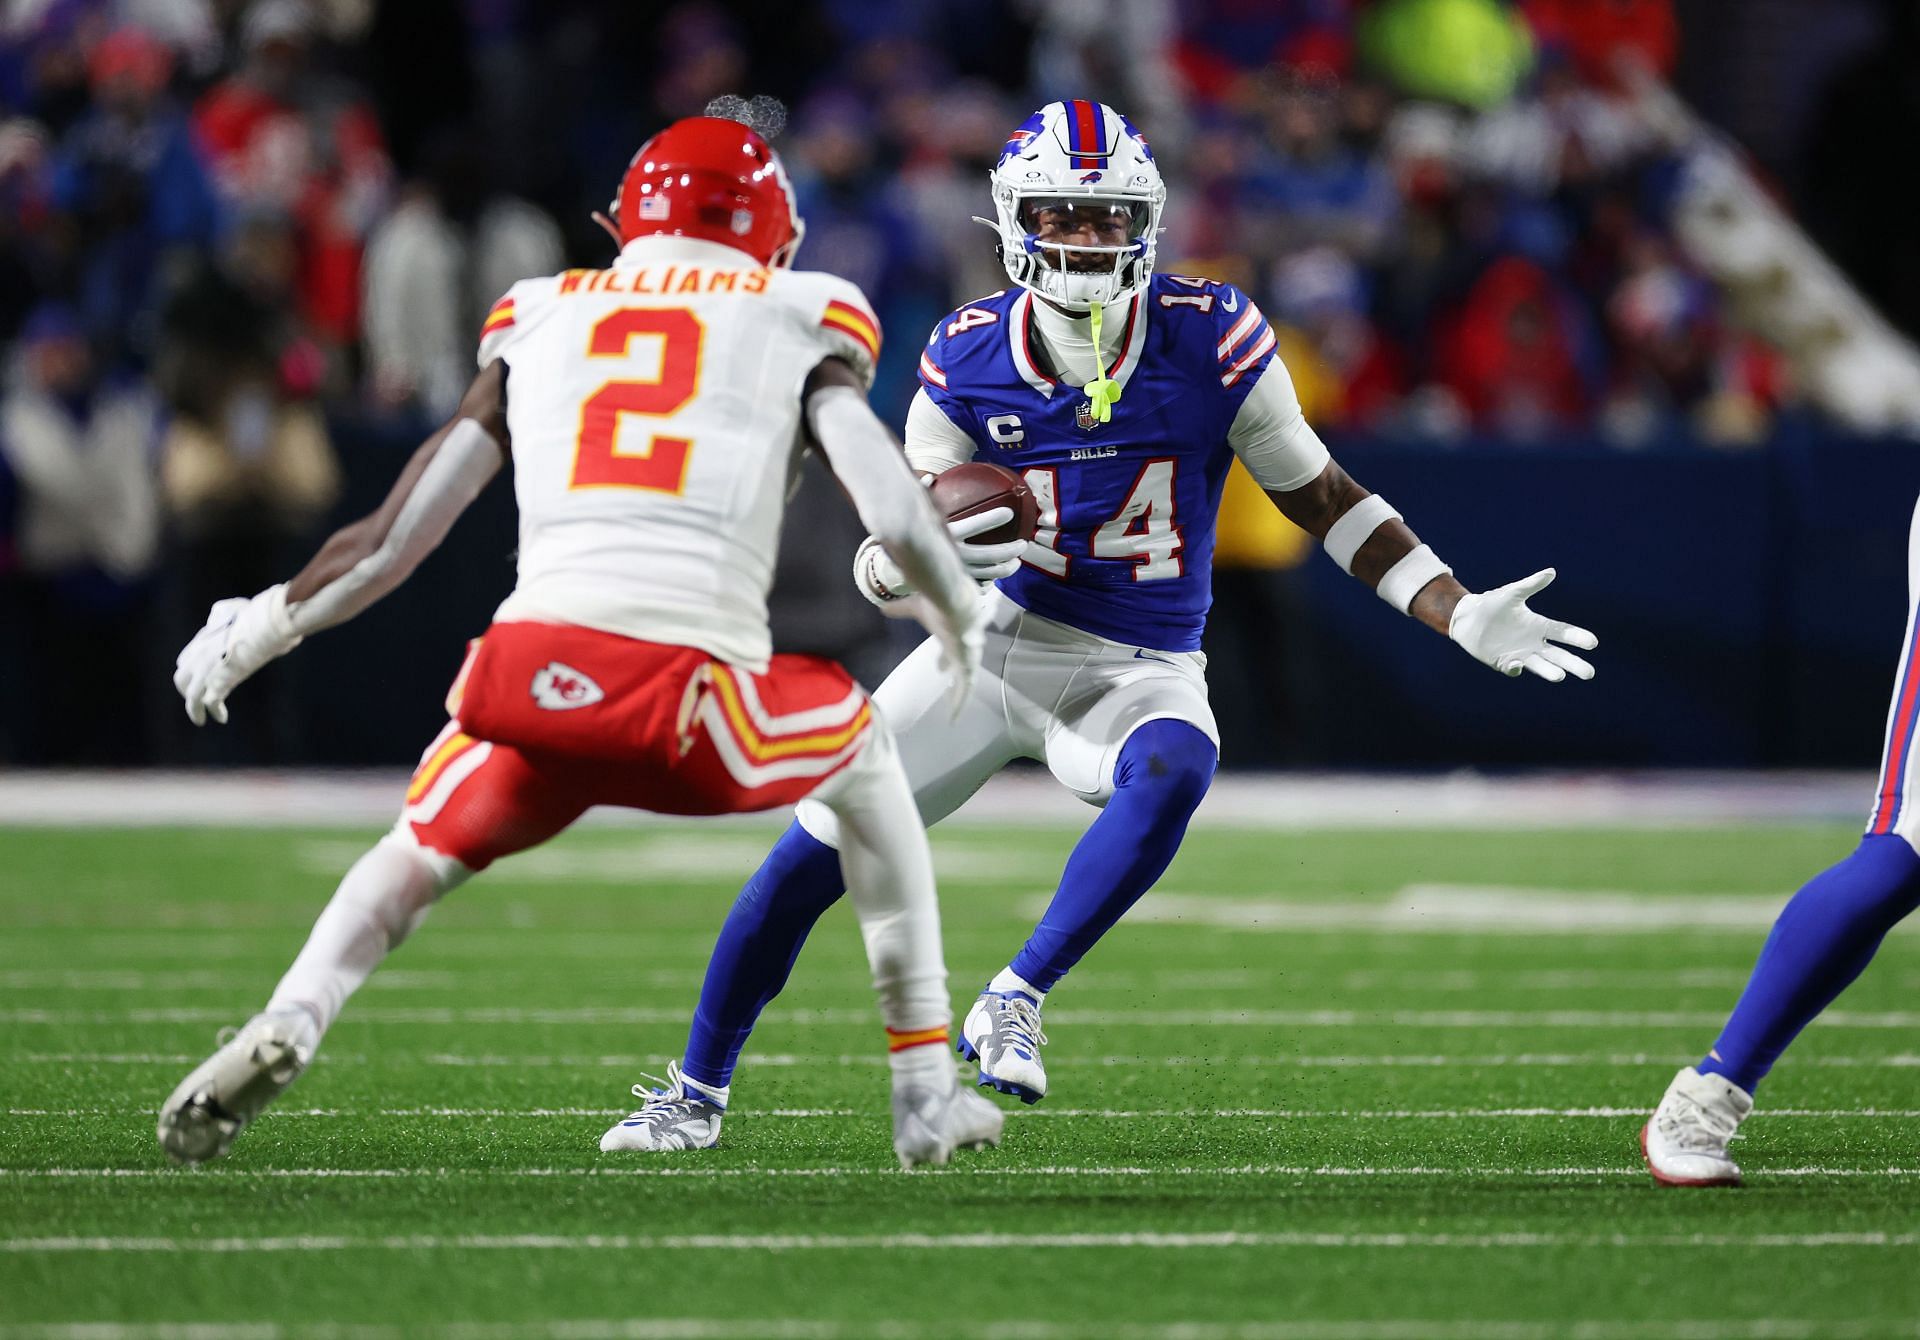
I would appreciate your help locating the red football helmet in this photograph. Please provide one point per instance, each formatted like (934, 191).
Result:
(714, 179)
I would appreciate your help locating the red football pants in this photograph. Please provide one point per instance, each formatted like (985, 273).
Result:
(552, 719)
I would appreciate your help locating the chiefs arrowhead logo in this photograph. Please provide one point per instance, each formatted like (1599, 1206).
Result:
(558, 687)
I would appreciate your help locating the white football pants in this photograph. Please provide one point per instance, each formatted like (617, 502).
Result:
(1046, 692)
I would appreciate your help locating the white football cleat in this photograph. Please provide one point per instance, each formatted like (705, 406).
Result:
(1685, 1142)
(211, 1106)
(680, 1116)
(1002, 1033)
(928, 1125)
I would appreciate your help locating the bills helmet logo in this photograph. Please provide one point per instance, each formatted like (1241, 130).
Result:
(558, 687)
(1018, 142)
(1090, 178)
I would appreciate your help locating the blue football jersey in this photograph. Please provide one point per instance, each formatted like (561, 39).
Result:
(1127, 507)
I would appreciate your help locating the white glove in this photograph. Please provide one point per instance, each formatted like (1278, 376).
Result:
(987, 562)
(240, 636)
(1498, 629)
(880, 579)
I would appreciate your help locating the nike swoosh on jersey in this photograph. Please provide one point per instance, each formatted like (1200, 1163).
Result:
(1230, 302)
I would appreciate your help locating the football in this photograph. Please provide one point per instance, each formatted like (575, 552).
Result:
(967, 490)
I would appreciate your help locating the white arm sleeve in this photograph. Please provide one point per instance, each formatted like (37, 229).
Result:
(934, 442)
(467, 459)
(896, 510)
(1272, 437)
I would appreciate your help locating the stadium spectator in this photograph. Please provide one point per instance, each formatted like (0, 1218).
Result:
(1508, 354)
(132, 194)
(1560, 134)
(1675, 360)
(1307, 187)
(1327, 340)
(953, 138)
(1599, 36)
(434, 266)
(24, 264)
(284, 137)
(247, 468)
(79, 446)
(858, 227)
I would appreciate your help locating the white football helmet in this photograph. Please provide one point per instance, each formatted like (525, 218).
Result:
(1077, 153)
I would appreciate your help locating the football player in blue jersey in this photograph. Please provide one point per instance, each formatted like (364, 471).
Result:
(1823, 939)
(1121, 396)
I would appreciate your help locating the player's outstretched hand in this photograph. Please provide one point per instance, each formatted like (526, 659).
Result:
(1498, 629)
(987, 561)
(240, 635)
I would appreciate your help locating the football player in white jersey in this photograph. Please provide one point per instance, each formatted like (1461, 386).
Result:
(654, 412)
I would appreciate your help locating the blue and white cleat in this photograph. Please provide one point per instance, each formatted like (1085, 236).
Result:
(1002, 1033)
(681, 1115)
(207, 1111)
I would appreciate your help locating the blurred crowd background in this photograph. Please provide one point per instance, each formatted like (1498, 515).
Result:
(1626, 285)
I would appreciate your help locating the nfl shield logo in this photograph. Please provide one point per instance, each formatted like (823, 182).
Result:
(1083, 416)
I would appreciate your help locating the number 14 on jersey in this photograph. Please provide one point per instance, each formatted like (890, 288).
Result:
(1143, 532)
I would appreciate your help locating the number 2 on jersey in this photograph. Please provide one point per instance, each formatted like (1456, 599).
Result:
(662, 467)
(1142, 532)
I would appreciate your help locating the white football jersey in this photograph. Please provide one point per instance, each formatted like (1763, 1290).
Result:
(655, 414)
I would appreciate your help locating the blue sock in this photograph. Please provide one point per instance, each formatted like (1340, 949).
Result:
(799, 880)
(1162, 774)
(1823, 939)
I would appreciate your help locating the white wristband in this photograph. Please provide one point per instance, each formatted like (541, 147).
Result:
(1405, 578)
(877, 576)
(1354, 526)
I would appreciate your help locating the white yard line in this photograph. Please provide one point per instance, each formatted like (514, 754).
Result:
(1904, 1020)
(116, 979)
(876, 1328)
(1002, 1242)
(697, 1171)
(1453, 909)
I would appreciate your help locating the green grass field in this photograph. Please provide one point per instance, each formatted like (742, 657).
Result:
(1361, 1085)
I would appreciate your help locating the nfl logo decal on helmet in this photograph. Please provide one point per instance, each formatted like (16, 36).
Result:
(1077, 152)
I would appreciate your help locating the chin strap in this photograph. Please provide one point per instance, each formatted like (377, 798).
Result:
(1103, 390)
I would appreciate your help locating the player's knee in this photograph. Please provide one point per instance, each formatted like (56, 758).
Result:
(1172, 759)
(800, 877)
(875, 768)
(1890, 864)
(434, 872)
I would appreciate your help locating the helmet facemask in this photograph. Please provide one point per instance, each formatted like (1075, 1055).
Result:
(1077, 249)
